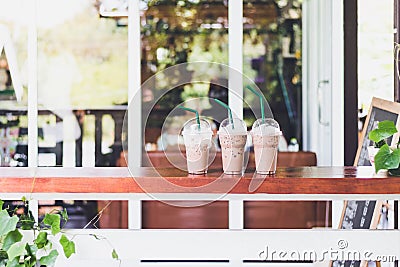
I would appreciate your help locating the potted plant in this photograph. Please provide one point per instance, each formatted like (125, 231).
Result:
(17, 249)
(384, 156)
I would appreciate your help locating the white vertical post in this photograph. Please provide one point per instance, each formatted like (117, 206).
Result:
(236, 214)
(32, 88)
(134, 214)
(134, 107)
(235, 17)
(337, 98)
(32, 98)
(337, 83)
(134, 90)
(305, 58)
(34, 208)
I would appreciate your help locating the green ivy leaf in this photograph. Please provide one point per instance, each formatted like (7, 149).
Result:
(64, 215)
(53, 220)
(7, 223)
(114, 255)
(50, 259)
(31, 253)
(1, 204)
(27, 221)
(30, 258)
(386, 159)
(385, 129)
(41, 241)
(29, 262)
(11, 238)
(68, 246)
(3, 255)
(14, 263)
(16, 250)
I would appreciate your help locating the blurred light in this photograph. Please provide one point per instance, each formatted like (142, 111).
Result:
(211, 26)
(188, 14)
(114, 8)
(162, 53)
(282, 3)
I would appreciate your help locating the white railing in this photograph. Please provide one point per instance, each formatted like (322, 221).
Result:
(231, 247)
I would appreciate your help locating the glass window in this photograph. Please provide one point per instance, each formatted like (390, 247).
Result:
(375, 51)
(14, 21)
(175, 32)
(375, 54)
(82, 83)
(272, 35)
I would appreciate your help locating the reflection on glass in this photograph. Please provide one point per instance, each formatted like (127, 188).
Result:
(272, 58)
(13, 72)
(175, 32)
(82, 77)
(375, 52)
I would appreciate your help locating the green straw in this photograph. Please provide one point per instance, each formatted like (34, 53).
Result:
(194, 111)
(229, 110)
(260, 96)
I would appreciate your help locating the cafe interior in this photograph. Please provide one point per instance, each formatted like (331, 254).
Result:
(94, 95)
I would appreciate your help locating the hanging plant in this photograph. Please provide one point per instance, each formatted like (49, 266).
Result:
(16, 251)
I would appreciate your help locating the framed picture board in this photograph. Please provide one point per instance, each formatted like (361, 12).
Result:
(358, 214)
(379, 110)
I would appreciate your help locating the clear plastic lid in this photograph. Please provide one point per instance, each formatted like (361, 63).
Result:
(192, 127)
(267, 127)
(238, 128)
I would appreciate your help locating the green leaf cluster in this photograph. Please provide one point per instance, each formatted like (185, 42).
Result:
(17, 252)
(384, 130)
(387, 158)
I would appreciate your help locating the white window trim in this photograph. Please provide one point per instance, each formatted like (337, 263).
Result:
(235, 16)
(337, 83)
(235, 47)
(32, 87)
(319, 65)
(135, 137)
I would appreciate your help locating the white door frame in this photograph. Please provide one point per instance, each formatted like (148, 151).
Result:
(323, 74)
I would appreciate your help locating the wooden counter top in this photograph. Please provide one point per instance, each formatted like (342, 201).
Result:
(303, 180)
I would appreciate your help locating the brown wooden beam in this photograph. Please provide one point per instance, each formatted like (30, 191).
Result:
(350, 82)
(303, 180)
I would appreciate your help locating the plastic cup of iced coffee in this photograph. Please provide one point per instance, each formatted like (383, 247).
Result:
(197, 138)
(265, 134)
(232, 137)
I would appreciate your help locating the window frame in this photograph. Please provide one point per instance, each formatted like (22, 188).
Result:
(235, 35)
(135, 143)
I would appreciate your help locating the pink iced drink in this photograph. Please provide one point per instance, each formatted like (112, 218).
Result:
(197, 142)
(233, 143)
(265, 140)
(197, 158)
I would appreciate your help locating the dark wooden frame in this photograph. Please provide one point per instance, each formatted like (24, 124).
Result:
(350, 81)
